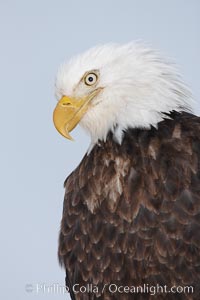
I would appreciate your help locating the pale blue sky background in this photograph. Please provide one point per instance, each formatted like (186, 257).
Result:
(35, 36)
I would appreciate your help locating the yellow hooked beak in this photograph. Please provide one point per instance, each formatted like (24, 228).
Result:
(69, 112)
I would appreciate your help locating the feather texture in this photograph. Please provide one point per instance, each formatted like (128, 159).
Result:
(132, 212)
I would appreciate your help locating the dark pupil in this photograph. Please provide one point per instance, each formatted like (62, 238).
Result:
(90, 79)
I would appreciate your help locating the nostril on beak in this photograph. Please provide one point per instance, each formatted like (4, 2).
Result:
(66, 104)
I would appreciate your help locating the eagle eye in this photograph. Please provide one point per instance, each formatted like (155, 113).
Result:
(90, 78)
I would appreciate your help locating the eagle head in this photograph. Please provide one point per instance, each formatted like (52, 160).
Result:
(114, 87)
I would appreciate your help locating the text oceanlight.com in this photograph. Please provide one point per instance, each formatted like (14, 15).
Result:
(111, 288)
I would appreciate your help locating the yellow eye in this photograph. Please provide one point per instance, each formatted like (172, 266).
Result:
(91, 79)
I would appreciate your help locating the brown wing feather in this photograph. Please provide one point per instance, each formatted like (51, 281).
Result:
(132, 212)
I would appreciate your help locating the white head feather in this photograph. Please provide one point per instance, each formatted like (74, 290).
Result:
(138, 87)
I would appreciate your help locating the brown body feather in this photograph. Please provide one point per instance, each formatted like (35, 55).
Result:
(132, 212)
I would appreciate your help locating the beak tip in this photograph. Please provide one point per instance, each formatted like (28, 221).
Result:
(71, 139)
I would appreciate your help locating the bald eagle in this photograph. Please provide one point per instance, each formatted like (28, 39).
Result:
(131, 215)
